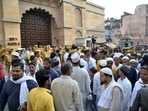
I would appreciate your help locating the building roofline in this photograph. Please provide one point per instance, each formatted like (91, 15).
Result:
(93, 4)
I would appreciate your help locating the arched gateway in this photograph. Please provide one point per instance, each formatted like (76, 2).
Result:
(25, 23)
(36, 28)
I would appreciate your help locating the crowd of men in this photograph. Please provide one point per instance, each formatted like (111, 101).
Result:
(73, 79)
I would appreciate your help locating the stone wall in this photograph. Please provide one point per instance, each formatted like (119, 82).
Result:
(64, 28)
(2, 39)
(58, 34)
(135, 24)
(70, 22)
(92, 20)
(11, 23)
(95, 21)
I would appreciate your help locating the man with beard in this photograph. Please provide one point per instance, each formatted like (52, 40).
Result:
(47, 66)
(112, 93)
(32, 70)
(16, 89)
(38, 66)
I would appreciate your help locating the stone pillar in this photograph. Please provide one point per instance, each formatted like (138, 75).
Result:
(11, 23)
(69, 18)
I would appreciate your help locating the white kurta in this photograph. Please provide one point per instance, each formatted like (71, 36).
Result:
(127, 90)
(111, 98)
(82, 77)
(97, 86)
(65, 56)
(91, 62)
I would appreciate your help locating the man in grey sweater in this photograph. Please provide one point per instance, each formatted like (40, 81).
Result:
(141, 100)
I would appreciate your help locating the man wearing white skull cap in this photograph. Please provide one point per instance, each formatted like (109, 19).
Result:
(96, 82)
(116, 64)
(112, 95)
(81, 76)
(132, 76)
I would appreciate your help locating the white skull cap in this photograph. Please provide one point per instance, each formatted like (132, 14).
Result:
(107, 71)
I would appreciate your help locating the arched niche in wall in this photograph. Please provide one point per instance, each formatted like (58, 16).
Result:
(78, 17)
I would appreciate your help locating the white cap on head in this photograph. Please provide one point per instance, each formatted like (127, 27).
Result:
(145, 54)
(103, 63)
(133, 60)
(125, 57)
(120, 54)
(129, 54)
(109, 59)
(82, 54)
(107, 71)
(55, 59)
(19, 49)
(138, 54)
(15, 54)
(116, 56)
(75, 57)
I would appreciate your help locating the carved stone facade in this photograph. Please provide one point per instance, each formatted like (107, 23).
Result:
(29, 22)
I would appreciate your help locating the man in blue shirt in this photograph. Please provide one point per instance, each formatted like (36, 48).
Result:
(47, 66)
(16, 89)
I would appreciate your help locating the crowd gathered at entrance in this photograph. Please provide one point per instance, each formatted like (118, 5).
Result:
(73, 78)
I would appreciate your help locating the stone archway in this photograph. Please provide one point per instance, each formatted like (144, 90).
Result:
(36, 28)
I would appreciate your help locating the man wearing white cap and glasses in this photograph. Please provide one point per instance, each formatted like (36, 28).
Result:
(81, 76)
(112, 95)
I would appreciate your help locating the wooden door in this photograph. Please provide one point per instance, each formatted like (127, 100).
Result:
(35, 28)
